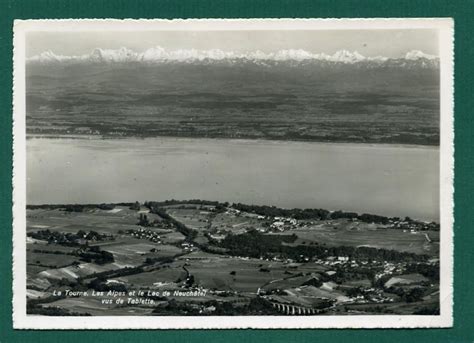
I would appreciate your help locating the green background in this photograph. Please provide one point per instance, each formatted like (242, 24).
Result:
(463, 14)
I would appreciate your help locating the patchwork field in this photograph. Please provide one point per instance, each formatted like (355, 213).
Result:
(51, 260)
(172, 237)
(197, 259)
(164, 277)
(102, 221)
(197, 219)
(236, 223)
(343, 232)
(241, 275)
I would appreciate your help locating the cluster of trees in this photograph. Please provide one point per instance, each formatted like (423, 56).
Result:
(143, 220)
(344, 273)
(428, 310)
(106, 207)
(408, 294)
(317, 214)
(381, 281)
(255, 244)
(221, 207)
(355, 291)
(342, 215)
(372, 218)
(75, 208)
(272, 211)
(151, 204)
(55, 252)
(94, 254)
(430, 271)
(135, 206)
(174, 307)
(68, 238)
(82, 208)
(259, 306)
(256, 306)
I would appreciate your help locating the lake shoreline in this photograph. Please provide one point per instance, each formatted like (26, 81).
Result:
(242, 140)
(204, 202)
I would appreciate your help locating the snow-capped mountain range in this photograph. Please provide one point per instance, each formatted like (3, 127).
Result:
(161, 55)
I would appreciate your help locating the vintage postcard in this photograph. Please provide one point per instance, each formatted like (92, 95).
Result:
(187, 174)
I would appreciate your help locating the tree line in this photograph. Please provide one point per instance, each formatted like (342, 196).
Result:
(255, 244)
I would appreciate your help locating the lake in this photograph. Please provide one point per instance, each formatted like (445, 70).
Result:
(388, 180)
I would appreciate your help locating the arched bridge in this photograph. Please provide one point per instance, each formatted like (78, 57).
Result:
(294, 310)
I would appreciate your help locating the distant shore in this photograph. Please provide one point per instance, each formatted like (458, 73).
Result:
(243, 140)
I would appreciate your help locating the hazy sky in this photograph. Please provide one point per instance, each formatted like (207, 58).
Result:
(389, 43)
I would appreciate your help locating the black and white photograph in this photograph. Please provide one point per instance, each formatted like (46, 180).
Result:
(233, 173)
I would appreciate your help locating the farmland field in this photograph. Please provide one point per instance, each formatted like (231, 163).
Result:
(235, 223)
(95, 219)
(196, 219)
(184, 260)
(338, 232)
